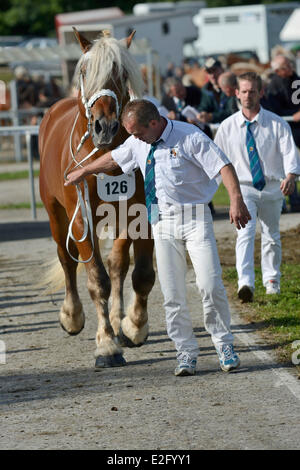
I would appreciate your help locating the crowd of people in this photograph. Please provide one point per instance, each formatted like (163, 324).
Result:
(216, 100)
(33, 90)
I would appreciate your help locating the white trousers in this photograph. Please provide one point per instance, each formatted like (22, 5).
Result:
(265, 206)
(172, 237)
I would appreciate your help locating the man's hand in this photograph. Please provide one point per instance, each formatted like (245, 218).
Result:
(172, 115)
(287, 185)
(296, 116)
(204, 117)
(238, 213)
(75, 177)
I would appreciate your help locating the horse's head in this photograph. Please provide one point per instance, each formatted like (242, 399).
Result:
(105, 73)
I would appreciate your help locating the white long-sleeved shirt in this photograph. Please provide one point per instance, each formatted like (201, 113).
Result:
(187, 163)
(274, 141)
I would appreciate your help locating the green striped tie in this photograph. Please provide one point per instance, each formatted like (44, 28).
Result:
(150, 192)
(255, 166)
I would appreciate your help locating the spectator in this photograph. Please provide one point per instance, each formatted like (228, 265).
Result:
(228, 83)
(261, 148)
(177, 97)
(223, 86)
(213, 69)
(25, 88)
(280, 100)
(45, 100)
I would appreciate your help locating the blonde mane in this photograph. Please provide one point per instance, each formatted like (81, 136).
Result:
(109, 59)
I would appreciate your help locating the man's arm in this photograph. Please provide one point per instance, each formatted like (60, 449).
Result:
(238, 212)
(104, 164)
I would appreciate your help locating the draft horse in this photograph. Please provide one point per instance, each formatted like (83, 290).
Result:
(73, 129)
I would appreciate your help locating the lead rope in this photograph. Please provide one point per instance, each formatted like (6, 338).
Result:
(83, 202)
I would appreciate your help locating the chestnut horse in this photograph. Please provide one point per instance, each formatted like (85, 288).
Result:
(72, 130)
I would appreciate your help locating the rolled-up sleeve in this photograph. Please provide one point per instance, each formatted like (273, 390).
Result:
(124, 156)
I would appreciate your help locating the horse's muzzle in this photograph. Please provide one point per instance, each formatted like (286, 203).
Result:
(104, 131)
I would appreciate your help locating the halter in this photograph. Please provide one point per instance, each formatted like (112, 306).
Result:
(83, 202)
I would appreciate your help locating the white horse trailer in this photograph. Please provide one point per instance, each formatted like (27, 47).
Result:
(253, 28)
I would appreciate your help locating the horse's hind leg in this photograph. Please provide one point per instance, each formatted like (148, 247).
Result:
(71, 314)
(134, 326)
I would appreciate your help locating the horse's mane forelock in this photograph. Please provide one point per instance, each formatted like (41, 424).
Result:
(109, 55)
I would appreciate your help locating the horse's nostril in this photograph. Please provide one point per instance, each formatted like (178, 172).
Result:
(98, 127)
(115, 127)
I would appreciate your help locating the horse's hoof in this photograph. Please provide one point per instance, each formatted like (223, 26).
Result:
(125, 342)
(71, 333)
(116, 360)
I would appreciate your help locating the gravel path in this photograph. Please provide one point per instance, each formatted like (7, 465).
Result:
(51, 397)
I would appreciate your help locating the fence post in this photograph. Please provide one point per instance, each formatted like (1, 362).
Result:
(31, 176)
(15, 120)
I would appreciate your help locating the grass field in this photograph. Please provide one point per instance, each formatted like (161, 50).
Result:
(17, 175)
(277, 317)
(221, 197)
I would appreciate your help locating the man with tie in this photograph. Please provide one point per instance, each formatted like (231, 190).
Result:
(180, 165)
(261, 148)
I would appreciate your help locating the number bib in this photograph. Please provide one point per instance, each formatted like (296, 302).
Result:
(114, 188)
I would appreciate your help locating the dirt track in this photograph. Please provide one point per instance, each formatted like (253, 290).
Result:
(51, 397)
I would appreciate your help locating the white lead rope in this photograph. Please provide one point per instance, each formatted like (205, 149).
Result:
(83, 202)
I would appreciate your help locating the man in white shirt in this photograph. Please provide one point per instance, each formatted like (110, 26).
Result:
(258, 139)
(180, 186)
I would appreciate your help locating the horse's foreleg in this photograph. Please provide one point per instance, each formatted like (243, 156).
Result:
(134, 326)
(108, 352)
(118, 264)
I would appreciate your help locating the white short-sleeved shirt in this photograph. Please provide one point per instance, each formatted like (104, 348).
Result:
(187, 163)
(274, 141)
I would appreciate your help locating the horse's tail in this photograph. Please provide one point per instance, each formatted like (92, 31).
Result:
(54, 277)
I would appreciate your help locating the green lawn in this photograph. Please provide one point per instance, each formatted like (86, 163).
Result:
(221, 197)
(16, 175)
(276, 316)
(21, 205)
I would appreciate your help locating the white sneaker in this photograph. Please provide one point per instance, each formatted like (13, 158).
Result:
(228, 358)
(186, 365)
(272, 287)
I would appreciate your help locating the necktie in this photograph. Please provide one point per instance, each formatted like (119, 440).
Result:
(255, 166)
(150, 193)
(180, 105)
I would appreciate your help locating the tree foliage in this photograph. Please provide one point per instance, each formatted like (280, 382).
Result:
(37, 17)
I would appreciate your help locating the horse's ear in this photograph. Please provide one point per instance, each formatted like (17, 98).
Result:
(129, 39)
(84, 43)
